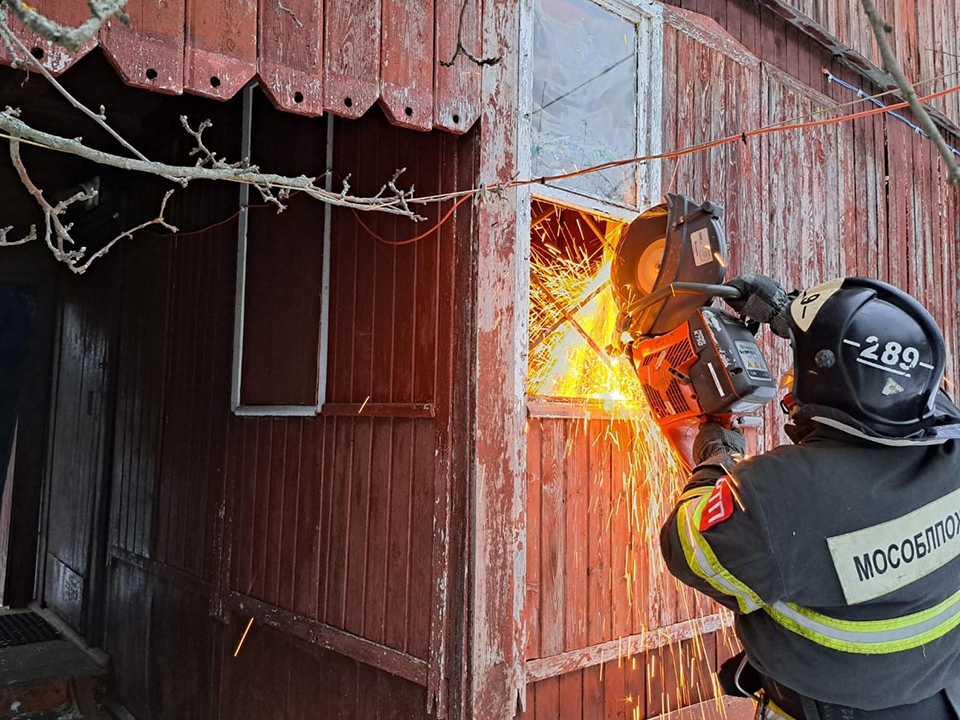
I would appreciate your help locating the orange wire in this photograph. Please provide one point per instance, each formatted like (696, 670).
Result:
(734, 138)
(419, 237)
(664, 156)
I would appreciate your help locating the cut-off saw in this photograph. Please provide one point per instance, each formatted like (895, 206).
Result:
(695, 361)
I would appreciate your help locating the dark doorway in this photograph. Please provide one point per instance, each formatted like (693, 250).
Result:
(77, 488)
(18, 311)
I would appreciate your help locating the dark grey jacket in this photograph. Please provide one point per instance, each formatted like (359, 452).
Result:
(844, 567)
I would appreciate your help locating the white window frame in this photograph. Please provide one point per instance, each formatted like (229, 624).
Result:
(648, 16)
(240, 298)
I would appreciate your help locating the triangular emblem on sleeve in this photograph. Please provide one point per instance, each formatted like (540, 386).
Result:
(720, 505)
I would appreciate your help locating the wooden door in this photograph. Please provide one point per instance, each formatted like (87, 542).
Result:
(77, 489)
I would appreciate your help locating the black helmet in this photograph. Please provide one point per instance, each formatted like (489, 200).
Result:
(865, 351)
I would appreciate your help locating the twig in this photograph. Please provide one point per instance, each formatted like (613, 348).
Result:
(461, 48)
(159, 220)
(943, 52)
(54, 229)
(208, 158)
(881, 29)
(284, 9)
(14, 55)
(69, 37)
(5, 232)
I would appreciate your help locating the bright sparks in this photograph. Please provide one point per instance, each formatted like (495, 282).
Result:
(572, 320)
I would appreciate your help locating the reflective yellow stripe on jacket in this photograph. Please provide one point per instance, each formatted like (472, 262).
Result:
(871, 637)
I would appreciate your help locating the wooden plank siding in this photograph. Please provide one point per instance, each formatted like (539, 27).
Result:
(148, 53)
(924, 37)
(311, 56)
(804, 37)
(330, 526)
(580, 540)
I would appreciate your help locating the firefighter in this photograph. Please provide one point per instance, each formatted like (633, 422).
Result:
(840, 553)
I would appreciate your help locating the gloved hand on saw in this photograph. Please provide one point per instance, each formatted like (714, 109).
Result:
(715, 445)
(762, 300)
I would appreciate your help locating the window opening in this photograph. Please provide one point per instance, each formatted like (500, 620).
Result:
(572, 312)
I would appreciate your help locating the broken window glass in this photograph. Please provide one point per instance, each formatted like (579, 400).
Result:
(584, 109)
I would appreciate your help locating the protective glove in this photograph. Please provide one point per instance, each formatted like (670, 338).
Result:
(763, 300)
(714, 443)
(749, 680)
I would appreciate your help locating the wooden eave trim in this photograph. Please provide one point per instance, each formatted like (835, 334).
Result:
(709, 32)
(573, 660)
(848, 56)
(330, 638)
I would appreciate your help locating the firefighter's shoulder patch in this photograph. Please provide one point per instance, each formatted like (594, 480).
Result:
(720, 505)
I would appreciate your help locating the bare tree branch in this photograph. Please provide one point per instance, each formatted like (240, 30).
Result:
(396, 204)
(57, 234)
(462, 49)
(881, 29)
(14, 55)
(70, 38)
(275, 189)
(159, 220)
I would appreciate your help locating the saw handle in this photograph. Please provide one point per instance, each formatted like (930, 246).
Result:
(686, 288)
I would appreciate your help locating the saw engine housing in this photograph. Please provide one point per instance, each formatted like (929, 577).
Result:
(709, 365)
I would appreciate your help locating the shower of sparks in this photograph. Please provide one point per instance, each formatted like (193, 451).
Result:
(570, 264)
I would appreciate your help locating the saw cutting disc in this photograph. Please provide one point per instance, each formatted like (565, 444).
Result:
(639, 257)
(649, 264)
(676, 241)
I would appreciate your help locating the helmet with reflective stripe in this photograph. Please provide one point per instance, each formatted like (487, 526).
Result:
(868, 350)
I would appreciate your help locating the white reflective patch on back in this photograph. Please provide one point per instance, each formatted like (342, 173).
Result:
(877, 560)
(805, 308)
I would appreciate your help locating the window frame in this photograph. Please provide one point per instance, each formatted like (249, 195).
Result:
(236, 406)
(648, 16)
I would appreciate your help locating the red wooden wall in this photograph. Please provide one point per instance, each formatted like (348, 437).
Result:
(596, 584)
(310, 56)
(343, 529)
(924, 38)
